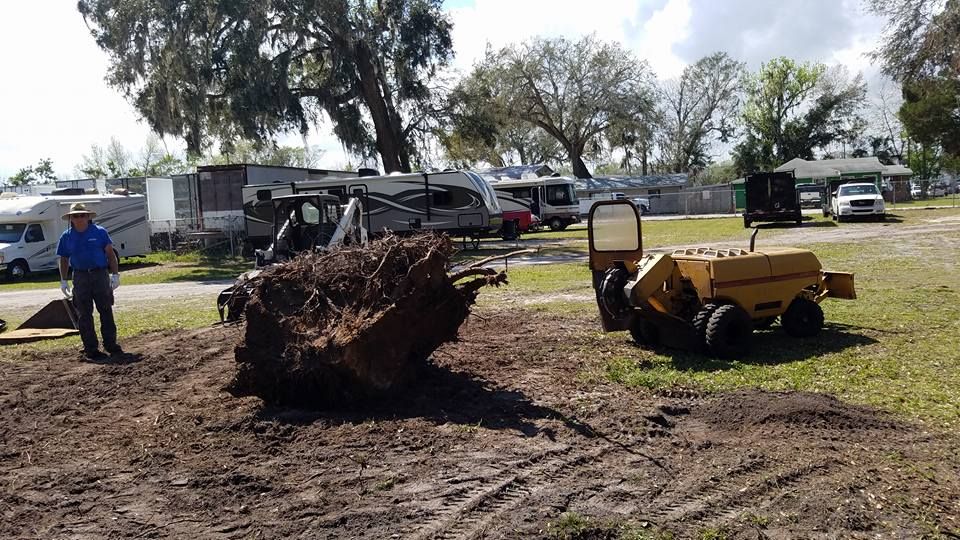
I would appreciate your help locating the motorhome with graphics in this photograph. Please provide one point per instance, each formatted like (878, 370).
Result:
(553, 199)
(459, 203)
(30, 227)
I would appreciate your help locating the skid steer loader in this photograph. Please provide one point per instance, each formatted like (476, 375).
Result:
(704, 298)
(301, 223)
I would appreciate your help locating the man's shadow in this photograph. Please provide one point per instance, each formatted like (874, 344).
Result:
(120, 359)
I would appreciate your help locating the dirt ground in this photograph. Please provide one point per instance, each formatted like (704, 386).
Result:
(499, 438)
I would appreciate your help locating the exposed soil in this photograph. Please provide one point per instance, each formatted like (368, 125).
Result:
(498, 437)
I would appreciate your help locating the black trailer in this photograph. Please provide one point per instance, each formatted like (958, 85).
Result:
(771, 197)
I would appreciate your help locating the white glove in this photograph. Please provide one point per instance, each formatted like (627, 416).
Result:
(65, 289)
(114, 281)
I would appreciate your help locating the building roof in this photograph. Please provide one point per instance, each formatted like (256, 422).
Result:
(897, 170)
(615, 183)
(832, 168)
(810, 169)
(517, 172)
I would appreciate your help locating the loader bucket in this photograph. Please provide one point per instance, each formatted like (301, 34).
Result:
(55, 320)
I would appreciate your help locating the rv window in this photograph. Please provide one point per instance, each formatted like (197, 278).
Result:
(653, 193)
(34, 234)
(10, 233)
(264, 194)
(560, 195)
(442, 198)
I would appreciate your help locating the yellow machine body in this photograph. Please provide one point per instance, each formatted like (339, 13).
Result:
(763, 283)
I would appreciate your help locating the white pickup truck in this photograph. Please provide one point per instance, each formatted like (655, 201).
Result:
(857, 200)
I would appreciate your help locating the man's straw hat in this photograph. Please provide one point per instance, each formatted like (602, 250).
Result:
(79, 208)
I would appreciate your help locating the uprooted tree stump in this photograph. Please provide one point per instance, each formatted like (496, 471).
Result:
(342, 326)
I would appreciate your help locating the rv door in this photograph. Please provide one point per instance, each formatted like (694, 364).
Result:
(535, 198)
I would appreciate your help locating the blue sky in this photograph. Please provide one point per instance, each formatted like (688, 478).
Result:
(54, 102)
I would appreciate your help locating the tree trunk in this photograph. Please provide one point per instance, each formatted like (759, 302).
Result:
(576, 159)
(388, 146)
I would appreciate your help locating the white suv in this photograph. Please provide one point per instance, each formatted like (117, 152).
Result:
(852, 200)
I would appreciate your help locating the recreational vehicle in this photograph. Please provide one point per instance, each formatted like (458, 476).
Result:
(456, 202)
(30, 227)
(552, 199)
(219, 189)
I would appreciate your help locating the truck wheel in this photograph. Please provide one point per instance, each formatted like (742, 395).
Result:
(644, 332)
(729, 332)
(803, 318)
(746, 223)
(700, 321)
(17, 270)
(556, 224)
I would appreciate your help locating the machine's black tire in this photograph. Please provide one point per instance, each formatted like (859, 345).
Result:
(556, 224)
(700, 321)
(746, 223)
(764, 323)
(803, 318)
(644, 332)
(729, 332)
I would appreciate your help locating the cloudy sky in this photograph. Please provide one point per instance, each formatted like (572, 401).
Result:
(54, 103)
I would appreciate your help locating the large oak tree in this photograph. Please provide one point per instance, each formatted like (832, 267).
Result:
(572, 90)
(232, 69)
(699, 107)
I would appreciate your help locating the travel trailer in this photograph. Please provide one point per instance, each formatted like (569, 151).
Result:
(552, 199)
(458, 203)
(30, 227)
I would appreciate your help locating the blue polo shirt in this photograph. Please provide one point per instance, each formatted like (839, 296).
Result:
(85, 249)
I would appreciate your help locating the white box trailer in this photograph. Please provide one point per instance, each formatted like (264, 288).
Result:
(30, 227)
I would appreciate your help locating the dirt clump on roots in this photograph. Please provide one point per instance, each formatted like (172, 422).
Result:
(339, 327)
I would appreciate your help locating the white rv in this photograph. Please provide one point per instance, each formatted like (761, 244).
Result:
(30, 227)
(553, 199)
(458, 203)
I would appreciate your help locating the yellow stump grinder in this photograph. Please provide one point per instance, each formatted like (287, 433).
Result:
(704, 298)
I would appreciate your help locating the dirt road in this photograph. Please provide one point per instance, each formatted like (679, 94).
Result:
(501, 437)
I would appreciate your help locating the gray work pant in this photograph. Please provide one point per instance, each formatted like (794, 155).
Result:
(91, 288)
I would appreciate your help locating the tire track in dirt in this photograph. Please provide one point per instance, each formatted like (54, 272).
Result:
(468, 514)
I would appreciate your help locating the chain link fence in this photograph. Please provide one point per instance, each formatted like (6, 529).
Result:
(694, 201)
(907, 193)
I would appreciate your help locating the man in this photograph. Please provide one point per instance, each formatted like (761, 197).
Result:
(86, 247)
